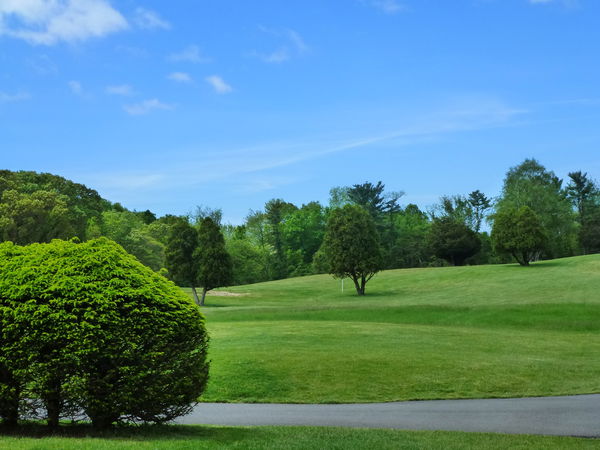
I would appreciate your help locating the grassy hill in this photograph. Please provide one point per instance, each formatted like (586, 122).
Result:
(457, 332)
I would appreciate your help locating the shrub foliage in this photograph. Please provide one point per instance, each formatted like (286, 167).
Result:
(86, 327)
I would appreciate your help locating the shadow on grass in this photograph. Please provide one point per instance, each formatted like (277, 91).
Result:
(221, 435)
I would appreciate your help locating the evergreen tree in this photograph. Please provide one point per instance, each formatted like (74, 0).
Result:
(351, 246)
(180, 255)
(214, 267)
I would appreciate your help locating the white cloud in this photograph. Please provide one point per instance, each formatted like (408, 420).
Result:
(10, 98)
(120, 89)
(297, 41)
(218, 84)
(180, 77)
(47, 22)
(278, 56)
(150, 20)
(145, 107)
(191, 53)
(386, 6)
(76, 87)
(292, 44)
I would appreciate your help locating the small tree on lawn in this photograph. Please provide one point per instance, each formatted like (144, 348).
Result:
(351, 246)
(520, 233)
(180, 256)
(214, 266)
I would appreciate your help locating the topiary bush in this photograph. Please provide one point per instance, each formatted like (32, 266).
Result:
(85, 326)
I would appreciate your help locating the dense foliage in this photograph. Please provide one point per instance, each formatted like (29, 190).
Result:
(351, 246)
(86, 327)
(520, 233)
(284, 240)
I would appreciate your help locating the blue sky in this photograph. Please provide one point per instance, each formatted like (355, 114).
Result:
(229, 103)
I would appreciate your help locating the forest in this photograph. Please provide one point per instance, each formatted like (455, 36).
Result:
(285, 240)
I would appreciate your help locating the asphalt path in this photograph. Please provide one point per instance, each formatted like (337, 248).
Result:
(565, 416)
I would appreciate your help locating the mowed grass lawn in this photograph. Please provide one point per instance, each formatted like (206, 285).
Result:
(457, 332)
(197, 437)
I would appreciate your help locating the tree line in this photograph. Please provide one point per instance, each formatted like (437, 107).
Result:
(536, 216)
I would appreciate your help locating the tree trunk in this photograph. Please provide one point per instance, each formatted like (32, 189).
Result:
(356, 285)
(204, 291)
(52, 402)
(195, 295)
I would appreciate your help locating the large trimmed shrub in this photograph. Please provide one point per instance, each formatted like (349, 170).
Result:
(85, 326)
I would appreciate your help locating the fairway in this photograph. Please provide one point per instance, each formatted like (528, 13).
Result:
(195, 437)
(439, 333)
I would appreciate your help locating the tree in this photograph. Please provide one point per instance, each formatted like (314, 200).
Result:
(479, 204)
(530, 184)
(104, 334)
(590, 230)
(582, 191)
(520, 233)
(214, 267)
(452, 240)
(276, 211)
(37, 217)
(180, 255)
(351, 246)
(410, 248)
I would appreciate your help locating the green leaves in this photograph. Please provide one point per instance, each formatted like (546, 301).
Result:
(351, 245)
(520, 233)
(88, 325)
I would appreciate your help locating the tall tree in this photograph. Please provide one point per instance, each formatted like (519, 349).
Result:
(213, 261)
(479, 204)
(520, 233)
(531, 184)
(275, 212)
(582, 191)
(180, 255)
(369, 196)
(351, 246)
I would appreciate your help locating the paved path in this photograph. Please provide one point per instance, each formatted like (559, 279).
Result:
(568, 416)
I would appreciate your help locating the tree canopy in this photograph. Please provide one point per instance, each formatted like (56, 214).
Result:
(351, 246)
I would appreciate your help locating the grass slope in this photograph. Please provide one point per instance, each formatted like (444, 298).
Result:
(196, 437)
(457, 332)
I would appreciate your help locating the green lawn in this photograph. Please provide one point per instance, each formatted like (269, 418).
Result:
(196, 437)
(468, 332)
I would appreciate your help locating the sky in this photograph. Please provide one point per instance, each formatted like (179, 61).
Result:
(229, 103)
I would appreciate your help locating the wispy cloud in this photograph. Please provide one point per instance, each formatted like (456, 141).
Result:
(145, 107)
(218, 84)
(292, 44)
(150, 20)
(256, 161)
(44, 22)
(76, 88)
(11, 98)
(180, 77)
(120, 89)
(386, 6)
(191, 54)
(566, 3)
(42, 65)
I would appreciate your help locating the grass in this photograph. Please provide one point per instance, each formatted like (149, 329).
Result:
(457, 332)
(197, 437)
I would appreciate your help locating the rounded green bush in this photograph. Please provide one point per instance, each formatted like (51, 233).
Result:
(85, 326)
